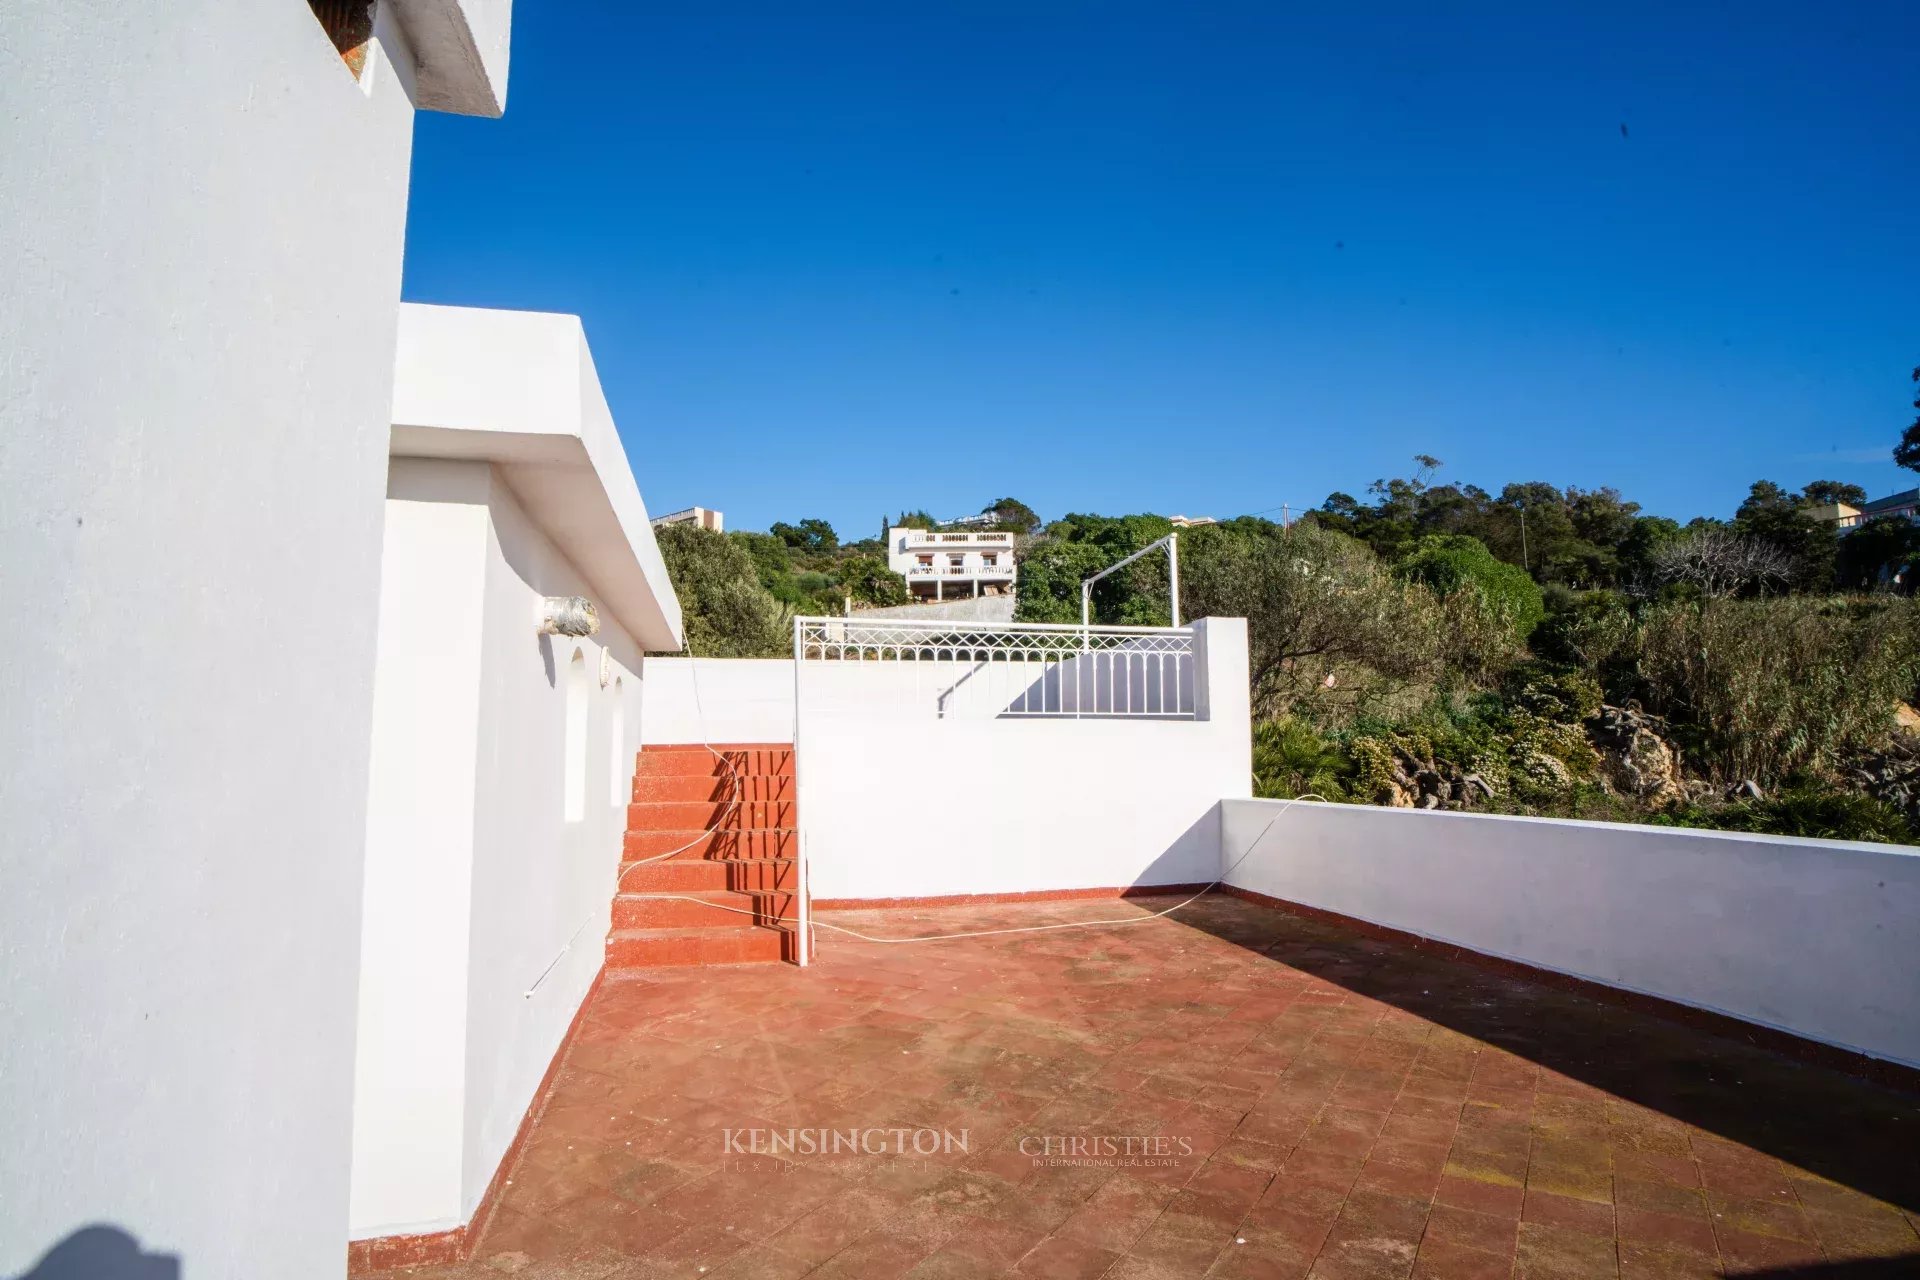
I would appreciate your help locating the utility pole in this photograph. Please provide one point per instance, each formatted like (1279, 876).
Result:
(1524, 562)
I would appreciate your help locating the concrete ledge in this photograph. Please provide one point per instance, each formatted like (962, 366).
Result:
(518, 389)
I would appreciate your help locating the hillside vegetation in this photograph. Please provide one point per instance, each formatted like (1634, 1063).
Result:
(1427, 649)
(1538, 651)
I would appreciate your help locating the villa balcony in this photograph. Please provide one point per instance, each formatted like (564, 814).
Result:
(922, 537)
(995, 572)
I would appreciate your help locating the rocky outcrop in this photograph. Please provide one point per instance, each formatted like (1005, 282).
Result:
(1891, 773)
(1637, 758)
(1413, 783)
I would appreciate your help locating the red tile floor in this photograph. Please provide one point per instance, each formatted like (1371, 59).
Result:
(1331, 1106)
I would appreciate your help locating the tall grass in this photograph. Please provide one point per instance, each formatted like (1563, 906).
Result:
(1770, 689)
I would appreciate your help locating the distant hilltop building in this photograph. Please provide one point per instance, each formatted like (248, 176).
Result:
(699, 517)
(1905, 505)
(1190, 522)
(980, 521)
(941, 565)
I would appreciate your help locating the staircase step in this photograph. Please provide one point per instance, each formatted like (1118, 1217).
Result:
(698, 815)
(691, 786)
(781, 843)
(698, 761)
(659, 948)
(722, 909)
(691, 875)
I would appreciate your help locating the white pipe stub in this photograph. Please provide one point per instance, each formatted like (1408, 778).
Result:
(567, 616)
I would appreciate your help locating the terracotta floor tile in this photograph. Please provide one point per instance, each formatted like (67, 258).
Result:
(1350, 1108)
(1481, 1232)
(1556, 1253)
(1439, 1260)
(1585, 1216)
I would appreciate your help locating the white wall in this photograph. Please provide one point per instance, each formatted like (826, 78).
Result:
(409, 1088)
(739, 700)
(487, 911)
(202, 215)
(903, 796)
(543, 887)
(1817, 937)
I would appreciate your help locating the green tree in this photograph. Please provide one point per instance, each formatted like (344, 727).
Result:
(726, 611)
(1780, 519)
(1012, 515)
(1823, 492)
(810, 537)
(1323, 613)
(1907, 452)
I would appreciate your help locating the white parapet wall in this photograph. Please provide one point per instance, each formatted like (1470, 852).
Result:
(718, 700)
(502, 756)
(907, 791)
(1818, 938)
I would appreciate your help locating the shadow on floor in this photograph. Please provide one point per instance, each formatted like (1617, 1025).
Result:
(1862, 1135)
(102, 1253)
(1902, 1268)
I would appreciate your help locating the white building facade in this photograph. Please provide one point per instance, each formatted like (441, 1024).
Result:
(942, 565)
(204, 209)
(502, 754)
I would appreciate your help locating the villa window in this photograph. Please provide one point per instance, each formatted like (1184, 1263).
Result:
(926, 560)
(349, 24)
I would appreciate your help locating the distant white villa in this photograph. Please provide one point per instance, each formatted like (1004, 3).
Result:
(699, 517)
(945, 566)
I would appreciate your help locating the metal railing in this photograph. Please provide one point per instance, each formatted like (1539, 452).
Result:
(959, 571)
(1017, 670)
(963, 539)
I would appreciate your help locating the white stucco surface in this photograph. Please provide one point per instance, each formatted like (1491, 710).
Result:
(488, 900)
(202, 215)
(519, 388)
(734, 700)
(1817, 937)
(461, 46)
(901, 795)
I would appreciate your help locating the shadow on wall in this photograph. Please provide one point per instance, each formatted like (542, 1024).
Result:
(1117, 684)
(1111, 685)
(102, 1253)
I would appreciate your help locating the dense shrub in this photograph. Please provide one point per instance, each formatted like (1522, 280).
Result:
(869, 580)
(1765, 689)
(1449, 563)
(1808, 812)
(1592, 630)
(1291, 759)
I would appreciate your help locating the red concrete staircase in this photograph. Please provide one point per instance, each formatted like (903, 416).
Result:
(728, 896)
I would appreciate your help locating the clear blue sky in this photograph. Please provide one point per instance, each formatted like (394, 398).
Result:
(835, 260)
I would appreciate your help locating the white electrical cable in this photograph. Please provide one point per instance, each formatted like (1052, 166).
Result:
(1035, 928)
(733, 773)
